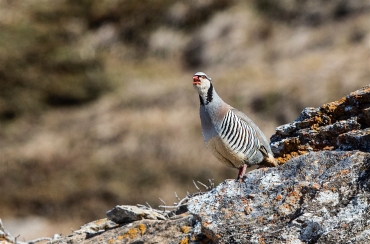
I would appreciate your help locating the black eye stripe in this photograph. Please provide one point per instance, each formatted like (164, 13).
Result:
(202, 76)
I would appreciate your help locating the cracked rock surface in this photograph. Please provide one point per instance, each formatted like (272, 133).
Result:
(320, 197)
(175, 230)
(339, 125)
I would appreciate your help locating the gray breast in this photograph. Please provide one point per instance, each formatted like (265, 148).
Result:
(208, 129)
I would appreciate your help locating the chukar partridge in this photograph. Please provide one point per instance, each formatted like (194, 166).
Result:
(229, 134)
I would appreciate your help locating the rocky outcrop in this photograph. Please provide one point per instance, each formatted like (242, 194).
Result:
(171, 230)
(319, 194)
(321, 197)
(340, 125)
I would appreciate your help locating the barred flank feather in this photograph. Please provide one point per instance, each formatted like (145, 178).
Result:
(239, 135)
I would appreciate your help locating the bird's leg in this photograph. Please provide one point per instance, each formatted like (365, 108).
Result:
(242, 172)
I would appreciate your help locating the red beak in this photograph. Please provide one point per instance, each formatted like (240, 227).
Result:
(196, 80)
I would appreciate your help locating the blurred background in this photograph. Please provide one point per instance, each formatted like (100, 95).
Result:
(96, 100)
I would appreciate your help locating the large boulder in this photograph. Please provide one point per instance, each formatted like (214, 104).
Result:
(340, 125)
(320, 197)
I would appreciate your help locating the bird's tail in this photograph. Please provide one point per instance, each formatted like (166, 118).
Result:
(268, 159)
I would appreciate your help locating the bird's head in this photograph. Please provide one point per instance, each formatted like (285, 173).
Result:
(202, 83)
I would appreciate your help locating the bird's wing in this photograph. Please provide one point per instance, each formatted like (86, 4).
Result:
(261, 137)
(239, 135)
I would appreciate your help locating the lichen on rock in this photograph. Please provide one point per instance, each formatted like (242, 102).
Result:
(305, 200)
(339, 125)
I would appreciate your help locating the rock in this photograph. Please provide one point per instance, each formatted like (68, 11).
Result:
(97, 226)
(175, 230)
(320, 197)
(131, 224)
(125, 214)
(339, 125)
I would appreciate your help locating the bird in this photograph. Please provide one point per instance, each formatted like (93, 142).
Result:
(232, 137)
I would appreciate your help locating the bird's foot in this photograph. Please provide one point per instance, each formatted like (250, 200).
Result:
(241, 175)
(241, 180)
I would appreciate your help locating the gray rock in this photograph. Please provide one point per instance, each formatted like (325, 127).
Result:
(125, 214)
(320, 197)
(339, 125)
(97, 226)
(170, 231)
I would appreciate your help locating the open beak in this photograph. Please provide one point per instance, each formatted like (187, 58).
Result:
(196, 80)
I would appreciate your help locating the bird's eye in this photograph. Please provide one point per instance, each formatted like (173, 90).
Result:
(203, 77)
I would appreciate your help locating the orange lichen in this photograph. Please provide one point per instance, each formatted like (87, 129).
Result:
(328, 148)
(318, 119)
(262, 241)
(111, 241)
(120, 238)
(184, 241)
(288, 156)
(278, 197)
(325, 186)
(142, 228)
(342, 100)
(247, 210)
(316, 186)
(99, 221)
(131, 233)
(344, 171)
(315, 127)
(281, 160)
(284, 206)
(261, 219)
(293, 193)
(185, 229)
(245, 200)
(333, 106)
